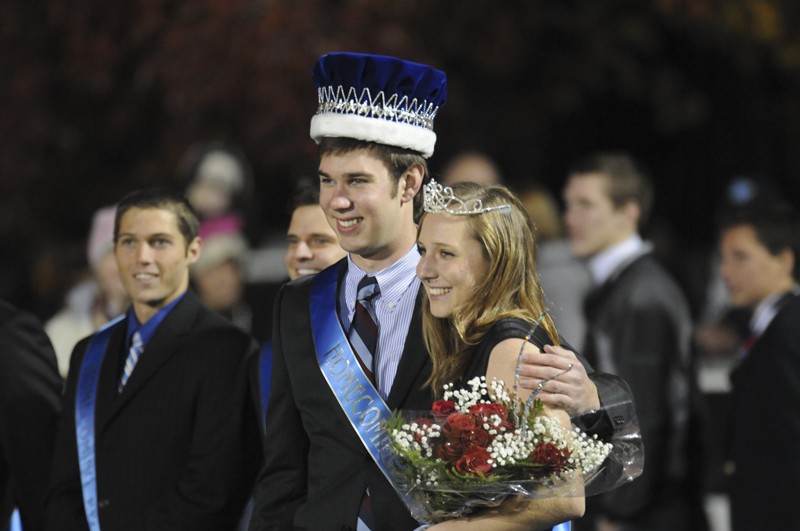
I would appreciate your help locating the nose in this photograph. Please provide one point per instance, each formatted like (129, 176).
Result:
(424, 268)
(144, 253)
(339, 199)
(302, 251)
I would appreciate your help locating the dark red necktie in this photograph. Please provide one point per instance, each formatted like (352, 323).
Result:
(364, 328)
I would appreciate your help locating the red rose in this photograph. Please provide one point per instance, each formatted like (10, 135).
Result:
(474, 460)
(549, 455)
(457, 423)
(484, 412)
(449, 450)
(476, 437)
(442, 409)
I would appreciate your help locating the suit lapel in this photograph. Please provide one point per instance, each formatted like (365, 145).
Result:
(161, 347)
(413, 359)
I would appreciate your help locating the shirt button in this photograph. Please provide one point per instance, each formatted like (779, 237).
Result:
(103, 503)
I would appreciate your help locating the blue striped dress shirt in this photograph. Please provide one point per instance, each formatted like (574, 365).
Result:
(393, 307)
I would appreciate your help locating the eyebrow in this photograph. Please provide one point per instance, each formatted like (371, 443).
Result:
(348, 175)
(147, 236)
(312, 235)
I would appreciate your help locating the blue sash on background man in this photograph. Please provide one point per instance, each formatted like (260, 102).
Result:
(86, 395)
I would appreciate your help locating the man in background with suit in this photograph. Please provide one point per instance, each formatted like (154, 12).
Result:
(759, 250)
(639, 328)
(159, 397)
(30, 392)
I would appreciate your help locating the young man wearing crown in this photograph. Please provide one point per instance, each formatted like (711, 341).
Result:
(348, 346)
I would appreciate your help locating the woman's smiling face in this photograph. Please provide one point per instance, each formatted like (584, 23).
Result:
(452, 262)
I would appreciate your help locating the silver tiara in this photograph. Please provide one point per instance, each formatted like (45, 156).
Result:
(438, 199)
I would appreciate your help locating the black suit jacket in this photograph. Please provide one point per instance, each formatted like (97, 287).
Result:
(30, 391)
(640, 329)
(316, 469)
(172, 449)
(766, 434)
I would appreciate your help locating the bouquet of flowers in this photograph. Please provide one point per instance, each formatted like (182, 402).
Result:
(478, 446)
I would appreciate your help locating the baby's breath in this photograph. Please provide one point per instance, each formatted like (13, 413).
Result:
(426, 465)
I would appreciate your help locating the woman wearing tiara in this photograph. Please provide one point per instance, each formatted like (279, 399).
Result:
(483, 301)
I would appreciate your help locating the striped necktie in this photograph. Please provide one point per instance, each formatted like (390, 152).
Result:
(364, 328)
(133, 356)
(364, 338)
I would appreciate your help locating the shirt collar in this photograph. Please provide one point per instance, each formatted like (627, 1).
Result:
(606, 262)
(767, 309)
(392, 281)
(149, 328)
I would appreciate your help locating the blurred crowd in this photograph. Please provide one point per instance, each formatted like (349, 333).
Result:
(239, 273)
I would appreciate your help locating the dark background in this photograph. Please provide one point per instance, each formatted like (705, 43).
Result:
(98, 98)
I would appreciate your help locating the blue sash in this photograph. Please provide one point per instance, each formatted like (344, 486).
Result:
(16, 521)
(361, 403)
(85, 396)
(264, 377)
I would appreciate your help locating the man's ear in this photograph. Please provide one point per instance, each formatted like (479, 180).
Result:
(786, 259)
(632, 212)
(194, 249)
(411, 182)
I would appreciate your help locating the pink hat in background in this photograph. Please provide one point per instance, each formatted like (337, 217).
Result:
(222, 241)
(101, 235)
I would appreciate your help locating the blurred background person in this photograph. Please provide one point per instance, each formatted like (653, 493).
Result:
(219, 279)
(565, 279)
(218, 182)
(311, 244)
(721, 327)
(93, 302)
(640, 329)
(471, 167)
(30, 391)
(759, 250)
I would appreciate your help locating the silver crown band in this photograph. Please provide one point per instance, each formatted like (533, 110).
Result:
(392, 108)
(438, 199)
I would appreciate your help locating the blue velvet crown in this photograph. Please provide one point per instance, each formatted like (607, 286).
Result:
(378, 99)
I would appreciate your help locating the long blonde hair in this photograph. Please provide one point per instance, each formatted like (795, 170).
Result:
(510, 288)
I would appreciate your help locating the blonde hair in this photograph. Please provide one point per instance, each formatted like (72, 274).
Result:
(510, 288)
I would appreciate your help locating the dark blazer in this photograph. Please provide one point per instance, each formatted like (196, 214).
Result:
(316, 468)
(30, 392)
(766, 426)
(172, 449)
(640, 329)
